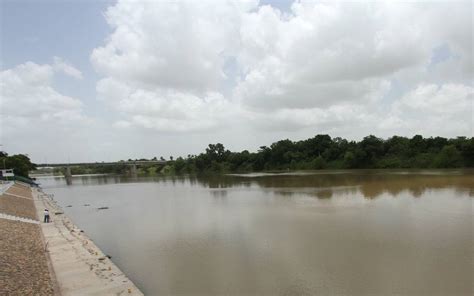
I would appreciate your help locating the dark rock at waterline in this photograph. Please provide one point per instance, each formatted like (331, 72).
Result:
(103, 258)
(103, 208)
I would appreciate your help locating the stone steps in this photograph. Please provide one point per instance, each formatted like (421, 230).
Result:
(16, 218)
(16, 195)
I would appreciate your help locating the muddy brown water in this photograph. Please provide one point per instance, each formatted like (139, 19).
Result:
(314, 233)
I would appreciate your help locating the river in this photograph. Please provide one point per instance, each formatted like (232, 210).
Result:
(355, 232)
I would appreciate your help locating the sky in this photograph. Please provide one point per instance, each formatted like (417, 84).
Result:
(110, 80)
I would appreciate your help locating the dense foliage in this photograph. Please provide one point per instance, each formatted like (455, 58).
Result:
(319, 152)
(324, 152)
(20, 163)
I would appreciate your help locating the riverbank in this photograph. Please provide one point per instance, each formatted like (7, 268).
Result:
(54, 258)
(81, 268)
(23, 259)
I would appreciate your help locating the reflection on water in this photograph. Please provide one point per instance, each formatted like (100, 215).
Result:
(370, 183)
(340, 232)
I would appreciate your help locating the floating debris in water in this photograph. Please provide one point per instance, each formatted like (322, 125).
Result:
(68, 206)
(86, 205)
(103, 208)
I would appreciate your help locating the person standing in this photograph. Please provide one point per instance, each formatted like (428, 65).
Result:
(46, 216)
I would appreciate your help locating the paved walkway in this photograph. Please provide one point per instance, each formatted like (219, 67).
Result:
(80, 266)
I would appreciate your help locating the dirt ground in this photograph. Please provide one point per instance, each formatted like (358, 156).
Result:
(23, 260)
(24, 269)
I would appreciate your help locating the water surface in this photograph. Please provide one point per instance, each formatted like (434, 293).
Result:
(317, 233)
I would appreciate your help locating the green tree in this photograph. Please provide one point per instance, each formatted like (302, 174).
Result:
(318, 163)
(448, 157)
(373, 148)
(467, 152)
(349, 160)
(20, 163)
(322, 152)
(217, 152)
(179, 165)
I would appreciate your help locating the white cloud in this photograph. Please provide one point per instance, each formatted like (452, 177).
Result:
(166, 109)
(350, 69)
(239, 73)
(181, 45)
(28, 97)
(325, 119)
(321, 42)
(37, 119)
(448, 99)
(452, 22)
(433, 110)
(164, 62)
(61, 66)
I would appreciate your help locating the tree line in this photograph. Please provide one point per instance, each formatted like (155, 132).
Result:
(324, 152)
(318, 152)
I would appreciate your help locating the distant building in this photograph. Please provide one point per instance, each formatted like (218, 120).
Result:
(7, 173)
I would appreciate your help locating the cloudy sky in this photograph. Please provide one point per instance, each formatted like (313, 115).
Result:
(110, 80)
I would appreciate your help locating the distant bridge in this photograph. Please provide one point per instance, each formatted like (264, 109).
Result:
(133, 166)
(131, 163)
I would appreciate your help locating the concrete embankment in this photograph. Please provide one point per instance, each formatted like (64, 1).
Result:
(69, 262)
